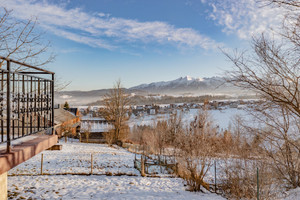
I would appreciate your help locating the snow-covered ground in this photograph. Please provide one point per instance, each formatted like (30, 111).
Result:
(123, 180)
(75, 158)
(101, 187)
(293, 194)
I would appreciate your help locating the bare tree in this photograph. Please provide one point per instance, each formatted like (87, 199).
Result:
(272, 68)
(279, 141)
(20, 40)
(66, 130)
(116, 111)
(159, 139)
(174, 131)
(175, 127)
(273, 71)
(289, 4)
(195, 146)
(87, 127)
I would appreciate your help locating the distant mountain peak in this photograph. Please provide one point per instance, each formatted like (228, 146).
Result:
(190, 78)
(182, 84)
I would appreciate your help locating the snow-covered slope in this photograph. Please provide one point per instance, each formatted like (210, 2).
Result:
(188, 84)
(114, 177)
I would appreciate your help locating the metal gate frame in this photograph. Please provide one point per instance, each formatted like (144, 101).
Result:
(26, 101)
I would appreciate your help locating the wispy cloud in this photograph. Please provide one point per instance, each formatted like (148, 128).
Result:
(91, 41)
(104, 31)
(246, 18)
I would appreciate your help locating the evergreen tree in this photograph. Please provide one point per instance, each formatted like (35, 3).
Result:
(66, 106)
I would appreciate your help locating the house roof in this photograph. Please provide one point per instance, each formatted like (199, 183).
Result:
(74, 111)
(61, 115)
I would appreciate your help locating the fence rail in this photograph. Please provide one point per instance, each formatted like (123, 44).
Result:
(26, 100)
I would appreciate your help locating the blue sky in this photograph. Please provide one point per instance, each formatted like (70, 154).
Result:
(97, 42)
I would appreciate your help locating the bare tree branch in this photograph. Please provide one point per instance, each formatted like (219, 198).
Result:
(116, 110)
(20, 40)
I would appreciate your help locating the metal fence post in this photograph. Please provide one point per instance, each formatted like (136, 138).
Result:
(215, 176)
(91, 163)
(8, 113)
(42, 161)
(52, 102)
(257, 174)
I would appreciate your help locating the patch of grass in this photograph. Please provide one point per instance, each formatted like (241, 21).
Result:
(108, 174)
(12, 195)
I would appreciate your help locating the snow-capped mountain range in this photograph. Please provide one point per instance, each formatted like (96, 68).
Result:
(180, 81)
(188, 84)
(183, 86)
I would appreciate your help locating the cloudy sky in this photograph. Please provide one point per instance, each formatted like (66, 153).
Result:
(97, 42)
